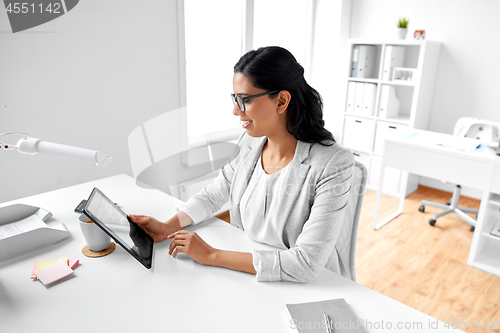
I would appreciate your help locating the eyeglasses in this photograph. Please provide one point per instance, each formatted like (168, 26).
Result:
(240, 100)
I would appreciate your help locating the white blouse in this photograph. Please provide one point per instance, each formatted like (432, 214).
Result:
(259, 205)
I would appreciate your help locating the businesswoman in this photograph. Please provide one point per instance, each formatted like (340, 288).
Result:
(287, 186)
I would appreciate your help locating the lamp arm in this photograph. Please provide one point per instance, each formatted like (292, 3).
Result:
(33, 145)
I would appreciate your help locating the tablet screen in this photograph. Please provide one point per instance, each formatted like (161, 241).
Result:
(110, 218)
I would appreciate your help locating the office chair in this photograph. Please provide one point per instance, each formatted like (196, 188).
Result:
(483, 130)
(346, 243)
(160, 160)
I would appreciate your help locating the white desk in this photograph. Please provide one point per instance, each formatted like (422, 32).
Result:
(480, 170)
(116, 294)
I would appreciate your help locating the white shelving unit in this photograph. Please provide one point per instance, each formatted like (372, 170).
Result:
(485, 248)
(364, 134)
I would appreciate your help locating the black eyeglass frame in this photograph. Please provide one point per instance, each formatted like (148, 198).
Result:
(246, 98)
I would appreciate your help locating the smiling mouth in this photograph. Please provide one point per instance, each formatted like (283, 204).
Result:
(245, 123)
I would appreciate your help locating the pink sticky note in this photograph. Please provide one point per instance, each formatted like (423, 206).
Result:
(73, 262)
(53, 273)
(41, 264)
(37, 265)
(33, 276)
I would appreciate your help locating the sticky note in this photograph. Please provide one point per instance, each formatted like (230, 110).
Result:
(41, 264)
(53, 272)
(73, 262)
(50, 262)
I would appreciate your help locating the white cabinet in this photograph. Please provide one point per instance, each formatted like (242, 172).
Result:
(358, 133)
(382, 105)
(387, 130)
(362, 158)
(485, 247)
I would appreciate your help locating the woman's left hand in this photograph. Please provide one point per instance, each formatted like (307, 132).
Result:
(191, 244)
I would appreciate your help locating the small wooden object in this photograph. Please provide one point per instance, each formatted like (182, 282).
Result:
(91, 254)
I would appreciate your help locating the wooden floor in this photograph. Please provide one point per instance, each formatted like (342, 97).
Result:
(425, 267)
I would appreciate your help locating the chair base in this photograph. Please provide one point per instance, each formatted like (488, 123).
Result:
(452, 207)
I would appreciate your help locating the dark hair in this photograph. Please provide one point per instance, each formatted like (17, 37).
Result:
(275, 68)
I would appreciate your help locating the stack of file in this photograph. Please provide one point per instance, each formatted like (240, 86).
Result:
(363, 61)
(361, 98)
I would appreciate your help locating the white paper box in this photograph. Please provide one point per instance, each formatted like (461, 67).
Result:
(31, 240)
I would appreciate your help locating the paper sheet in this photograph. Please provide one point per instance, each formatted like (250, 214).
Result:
(15, 228)
(464, 144)
(454, 142)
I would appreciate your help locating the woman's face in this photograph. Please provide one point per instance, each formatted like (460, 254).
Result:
(262, 116)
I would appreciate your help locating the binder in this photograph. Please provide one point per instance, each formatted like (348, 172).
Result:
(394, 57)
(369, 99)
(366, 61)
(358, 100)
(354, 64)
(389, 103)
(31, 240)
(351, 95)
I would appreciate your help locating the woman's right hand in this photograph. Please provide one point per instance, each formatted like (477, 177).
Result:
(154, 228)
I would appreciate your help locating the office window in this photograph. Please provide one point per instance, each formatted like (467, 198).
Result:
(213, 46)
(213, 42)
(282, 23)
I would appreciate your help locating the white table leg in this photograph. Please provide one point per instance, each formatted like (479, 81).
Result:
(403, 179)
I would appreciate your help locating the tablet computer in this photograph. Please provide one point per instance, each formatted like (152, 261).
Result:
(111, 219)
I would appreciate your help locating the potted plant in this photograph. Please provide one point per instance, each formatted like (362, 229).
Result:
(402, 27)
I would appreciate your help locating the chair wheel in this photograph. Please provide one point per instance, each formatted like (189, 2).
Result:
(472, 228)
(421, 208)
(432, 222)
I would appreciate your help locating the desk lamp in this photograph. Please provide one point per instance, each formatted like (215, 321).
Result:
(32, 146)
(27, 241)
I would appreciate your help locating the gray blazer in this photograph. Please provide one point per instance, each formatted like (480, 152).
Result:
(312, 207)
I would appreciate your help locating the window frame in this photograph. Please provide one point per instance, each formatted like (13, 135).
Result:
(247, 28)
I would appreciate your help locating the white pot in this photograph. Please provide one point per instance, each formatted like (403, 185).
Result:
(402, 33)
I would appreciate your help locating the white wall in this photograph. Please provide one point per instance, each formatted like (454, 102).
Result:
(466, 81)
(330, 31)
(86, 79)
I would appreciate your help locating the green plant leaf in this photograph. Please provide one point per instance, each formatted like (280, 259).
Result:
(403, 22)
